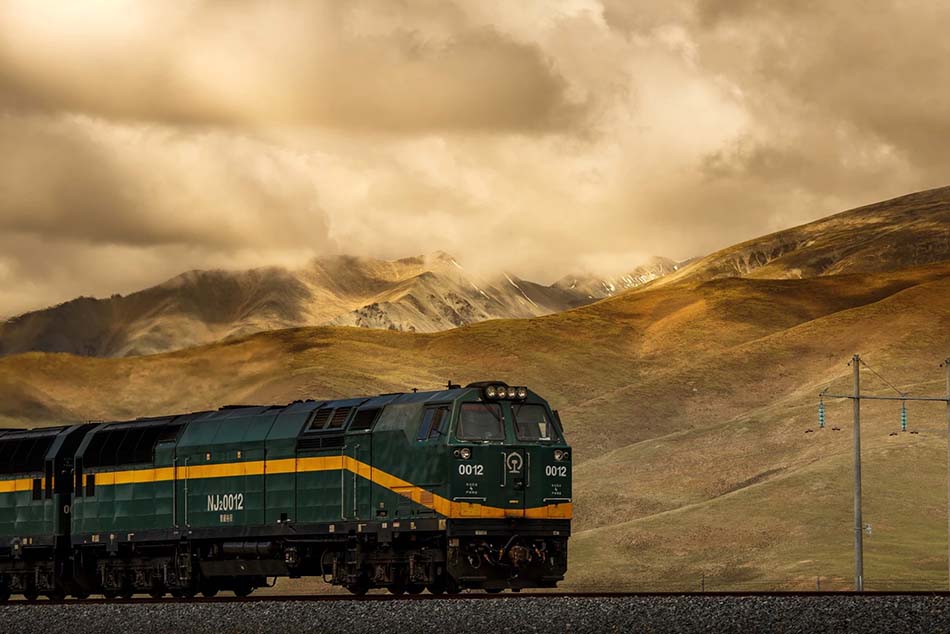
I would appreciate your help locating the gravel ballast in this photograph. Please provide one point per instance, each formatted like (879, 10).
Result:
(904, 614)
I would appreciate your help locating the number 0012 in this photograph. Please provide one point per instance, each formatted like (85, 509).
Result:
(471, 469)
(558, 471)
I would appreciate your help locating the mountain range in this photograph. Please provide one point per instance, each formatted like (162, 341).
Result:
(691, 401)
(418, 294)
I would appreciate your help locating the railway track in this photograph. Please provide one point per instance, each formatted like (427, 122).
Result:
(466, 596)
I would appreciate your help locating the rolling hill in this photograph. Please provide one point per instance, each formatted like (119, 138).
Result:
(687, 401)
(907, 231)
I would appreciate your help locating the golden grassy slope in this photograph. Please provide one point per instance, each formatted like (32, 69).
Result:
(911, 230)
(686, 402)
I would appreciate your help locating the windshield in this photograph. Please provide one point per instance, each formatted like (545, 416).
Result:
(480, 421)
(532, 422)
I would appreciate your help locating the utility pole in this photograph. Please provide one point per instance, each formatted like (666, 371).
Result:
(946, 365)
(903, 397)
(858, 521)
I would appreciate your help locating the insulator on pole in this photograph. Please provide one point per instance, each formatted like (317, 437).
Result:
(903, 415)
(821, 414)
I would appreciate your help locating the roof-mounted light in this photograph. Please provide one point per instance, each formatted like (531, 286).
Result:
(493, 392)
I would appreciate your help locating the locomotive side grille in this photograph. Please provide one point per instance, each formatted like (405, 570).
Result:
(332, 441)
(339, 417)
(313, 443)
(303, 444)
(320, 418)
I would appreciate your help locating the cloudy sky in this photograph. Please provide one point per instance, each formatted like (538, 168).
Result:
(141, 139)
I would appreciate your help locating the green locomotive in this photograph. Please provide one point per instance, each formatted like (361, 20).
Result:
(459, 488)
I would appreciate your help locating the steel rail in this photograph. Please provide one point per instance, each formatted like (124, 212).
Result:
(310, 598)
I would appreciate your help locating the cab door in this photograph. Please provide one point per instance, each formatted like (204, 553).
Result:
(516, 478)
(547, 476)
(489, 474)
(426, 469)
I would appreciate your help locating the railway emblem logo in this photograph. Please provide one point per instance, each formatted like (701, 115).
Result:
(515, 462)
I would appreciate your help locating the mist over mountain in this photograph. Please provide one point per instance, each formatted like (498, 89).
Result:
(598, 287)
(434, 292)
(427, 293)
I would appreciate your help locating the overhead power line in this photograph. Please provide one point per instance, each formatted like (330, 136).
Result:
(878, 375)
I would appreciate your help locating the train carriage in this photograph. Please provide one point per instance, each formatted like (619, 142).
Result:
(35, 494)
(459, 488)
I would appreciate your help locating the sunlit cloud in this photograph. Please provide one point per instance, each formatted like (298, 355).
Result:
(139, 139)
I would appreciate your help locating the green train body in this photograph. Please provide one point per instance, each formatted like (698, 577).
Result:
(460, 488)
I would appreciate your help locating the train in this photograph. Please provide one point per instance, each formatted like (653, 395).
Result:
(463, 488)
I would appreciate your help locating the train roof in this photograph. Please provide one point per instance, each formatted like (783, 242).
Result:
(296, 407)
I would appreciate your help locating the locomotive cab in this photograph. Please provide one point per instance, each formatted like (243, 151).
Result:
(510, 456)
(510, 477)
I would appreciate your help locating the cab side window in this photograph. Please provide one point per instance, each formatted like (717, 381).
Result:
(434, 422)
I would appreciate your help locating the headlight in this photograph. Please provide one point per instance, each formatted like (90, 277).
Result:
(491, 391)
(512, 392)
(522, 393)
(465, 453)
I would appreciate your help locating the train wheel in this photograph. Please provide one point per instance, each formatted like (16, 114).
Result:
(451, 585)
(127, 593)
(209, 589)
(359, 588)
(82, 595)
(415, 588)
(493, 590)
(436, 587)
(396, 588)
(188, 593)
(243, 589)
(110, 593)
(56, 595)
(157, 591)
(30, 594)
